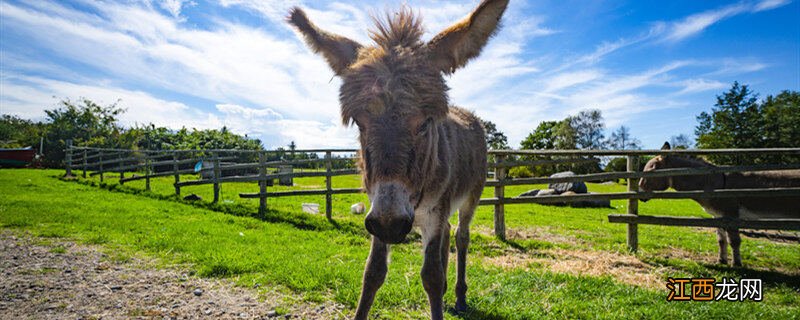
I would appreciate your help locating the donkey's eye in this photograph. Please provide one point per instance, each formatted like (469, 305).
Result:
(425, 126)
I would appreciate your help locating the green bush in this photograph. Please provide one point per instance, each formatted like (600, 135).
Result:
(520, 172)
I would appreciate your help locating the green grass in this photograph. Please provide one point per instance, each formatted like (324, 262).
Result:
(308, 256)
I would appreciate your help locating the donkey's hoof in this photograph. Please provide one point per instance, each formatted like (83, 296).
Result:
(461, 307)
(737, 263)
(723, 261)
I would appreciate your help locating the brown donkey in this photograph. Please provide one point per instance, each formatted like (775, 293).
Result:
(743, 207)
(421, 158)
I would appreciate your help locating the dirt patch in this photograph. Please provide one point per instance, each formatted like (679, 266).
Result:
(64, 280)
(625, 268)
(545, 234)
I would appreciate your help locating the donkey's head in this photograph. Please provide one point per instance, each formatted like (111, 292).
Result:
(657, 183)
(394, 91)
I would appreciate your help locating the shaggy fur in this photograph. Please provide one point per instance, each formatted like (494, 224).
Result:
(421, 158)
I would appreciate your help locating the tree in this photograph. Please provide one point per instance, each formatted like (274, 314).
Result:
(589, 127)
(681, 141)
(495, 139)
(543, 138)
(16, 132)
(85, 122)
(738, 120)
(781, 120)
(733, 123)
(621, 139)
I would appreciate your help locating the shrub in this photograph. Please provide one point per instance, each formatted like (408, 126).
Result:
(520, 172)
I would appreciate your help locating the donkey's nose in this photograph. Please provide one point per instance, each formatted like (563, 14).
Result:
(390, 231)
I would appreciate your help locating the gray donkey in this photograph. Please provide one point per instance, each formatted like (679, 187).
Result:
(421, 157)
(787, 207)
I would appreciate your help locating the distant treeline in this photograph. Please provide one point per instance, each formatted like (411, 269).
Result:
(91, 125)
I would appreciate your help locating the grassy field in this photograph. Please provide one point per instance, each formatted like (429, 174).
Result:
(558, 262)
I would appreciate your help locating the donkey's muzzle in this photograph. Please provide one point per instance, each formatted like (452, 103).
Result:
(390, 231)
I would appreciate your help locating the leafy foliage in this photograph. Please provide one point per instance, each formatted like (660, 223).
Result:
(621, 139)
(16, 132)
(495, 139)
(739, 120)
(589, 127)
(89, 124)
(85, 122)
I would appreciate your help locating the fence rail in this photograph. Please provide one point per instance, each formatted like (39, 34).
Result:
(105, 160)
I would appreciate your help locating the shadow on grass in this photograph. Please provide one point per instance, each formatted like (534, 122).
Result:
(768, 278)
(474, 314)
(298, 220)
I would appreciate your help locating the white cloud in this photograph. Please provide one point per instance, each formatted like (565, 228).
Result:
(696, 23)
(28, 97)
(699, 85)
(174, 7)
(770, 4)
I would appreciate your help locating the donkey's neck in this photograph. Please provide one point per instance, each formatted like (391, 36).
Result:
(689, 183)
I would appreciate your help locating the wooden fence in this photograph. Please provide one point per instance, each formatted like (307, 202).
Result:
(101, 161)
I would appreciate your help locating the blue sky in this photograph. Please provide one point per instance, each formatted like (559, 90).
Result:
(649, 65)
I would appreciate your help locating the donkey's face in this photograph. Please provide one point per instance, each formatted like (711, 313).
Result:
(394, 91)
(657, 183)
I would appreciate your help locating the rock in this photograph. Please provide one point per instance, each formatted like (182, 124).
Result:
(207, 312)
(272, 314)
(358, 208)
(116, 288)
(192, 197)
(529, 193)
(546, 192)
(198, 292)
(561, 187)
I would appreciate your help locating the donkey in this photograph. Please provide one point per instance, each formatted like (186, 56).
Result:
(742, 207)
(421, 157)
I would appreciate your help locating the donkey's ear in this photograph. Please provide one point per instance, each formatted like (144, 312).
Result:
(666, 146)
(456, 45)
(340, 52)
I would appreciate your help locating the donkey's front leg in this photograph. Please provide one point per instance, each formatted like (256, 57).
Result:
(722, 240)
(433, 276)
(374, 275)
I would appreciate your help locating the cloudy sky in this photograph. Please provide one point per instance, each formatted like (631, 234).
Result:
(649, 65)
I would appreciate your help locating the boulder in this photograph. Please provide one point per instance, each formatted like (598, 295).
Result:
(358, 208)
(529, 193)
(561, 187)
(546, 192)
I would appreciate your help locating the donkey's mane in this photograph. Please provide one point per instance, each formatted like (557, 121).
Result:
(690, 161)
(402, 28)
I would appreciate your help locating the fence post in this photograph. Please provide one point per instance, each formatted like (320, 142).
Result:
(121, 171)
(499, 193)
(328, 189)
(262, 186)
(85, 154)
(147, 171)
(177, 175)
(633, 204)
(217, 173)
(69, 158)
(101, 165)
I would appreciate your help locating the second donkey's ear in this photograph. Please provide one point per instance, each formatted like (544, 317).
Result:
(666, 146)
(455, 46)
(339, 51)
